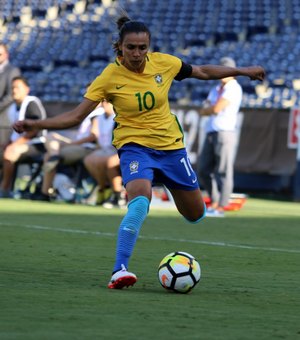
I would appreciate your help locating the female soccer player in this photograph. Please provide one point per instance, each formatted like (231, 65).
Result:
(147, 135)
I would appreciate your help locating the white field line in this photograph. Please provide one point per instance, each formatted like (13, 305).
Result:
(170, 239)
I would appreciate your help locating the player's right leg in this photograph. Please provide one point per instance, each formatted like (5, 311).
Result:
(130, 226)
(137, 173)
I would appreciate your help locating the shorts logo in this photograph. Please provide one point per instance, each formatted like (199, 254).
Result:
(134, 167)
(158, 78)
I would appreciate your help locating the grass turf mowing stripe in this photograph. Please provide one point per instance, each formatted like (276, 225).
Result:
(170, 239)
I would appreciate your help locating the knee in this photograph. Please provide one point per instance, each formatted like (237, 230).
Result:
(10, 153)
(53, 145)
(137, 211)
(88, 161)
(197, 217)
(140, 205)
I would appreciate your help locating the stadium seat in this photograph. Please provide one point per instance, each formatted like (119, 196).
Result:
(256, 32)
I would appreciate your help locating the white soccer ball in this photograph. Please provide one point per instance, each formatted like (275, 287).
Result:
(179, 272)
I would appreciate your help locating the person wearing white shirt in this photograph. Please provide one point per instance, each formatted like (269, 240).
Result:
(217, 156)
(20, 146)
(61, 149)
(7, 73)
(97, 162)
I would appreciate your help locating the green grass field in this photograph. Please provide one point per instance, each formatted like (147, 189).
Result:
(56, 260)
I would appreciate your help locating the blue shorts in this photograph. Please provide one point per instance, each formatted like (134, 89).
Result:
(169, 167)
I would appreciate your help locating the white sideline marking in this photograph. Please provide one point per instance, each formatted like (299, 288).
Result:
(209, 243)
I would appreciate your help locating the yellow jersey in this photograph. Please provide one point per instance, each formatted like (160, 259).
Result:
(140, 102)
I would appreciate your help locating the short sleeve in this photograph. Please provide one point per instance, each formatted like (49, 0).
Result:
(95, 91)
(33, 111)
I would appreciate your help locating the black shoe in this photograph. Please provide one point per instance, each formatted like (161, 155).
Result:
(115, 201)
(39, 196)
(25, 194)
(6, 194)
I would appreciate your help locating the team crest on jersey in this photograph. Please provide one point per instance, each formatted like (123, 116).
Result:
(134, 167)
(158, 78)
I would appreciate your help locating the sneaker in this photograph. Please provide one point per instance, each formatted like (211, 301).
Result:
(115, 201)
(121, 279)
(214, 213)
(6, 194)
(23, 194)
(103, 196)
(40, 196)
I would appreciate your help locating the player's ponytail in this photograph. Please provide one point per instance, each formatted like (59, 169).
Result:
(121, 21)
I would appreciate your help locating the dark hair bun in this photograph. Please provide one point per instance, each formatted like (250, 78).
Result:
(121, 21)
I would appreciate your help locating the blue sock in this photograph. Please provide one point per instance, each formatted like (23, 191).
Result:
(129, 230)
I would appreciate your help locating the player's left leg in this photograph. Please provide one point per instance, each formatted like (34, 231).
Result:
(189, 203)
(177, 174)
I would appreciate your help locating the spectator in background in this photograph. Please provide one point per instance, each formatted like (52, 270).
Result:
(24, 107)
(107, 172)
(118, 197)
(96, 162)
(7, 73)
(66, 151)
(217, 156)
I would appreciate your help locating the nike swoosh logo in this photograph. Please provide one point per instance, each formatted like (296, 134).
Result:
(118, 87)
(130, 230)
(194, 180)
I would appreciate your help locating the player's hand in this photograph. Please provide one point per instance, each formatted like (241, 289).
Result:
(24, 125)
(256, 73)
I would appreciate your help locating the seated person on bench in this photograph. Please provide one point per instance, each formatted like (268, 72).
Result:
(91, 136)
(64, 150)
(21, 146)
(96, 162)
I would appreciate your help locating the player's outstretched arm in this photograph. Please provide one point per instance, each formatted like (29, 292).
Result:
(209, 72)
(63, 121)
